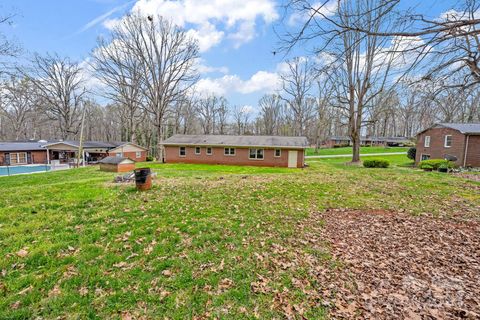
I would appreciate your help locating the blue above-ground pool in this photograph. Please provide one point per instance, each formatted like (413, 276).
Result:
(12, 170)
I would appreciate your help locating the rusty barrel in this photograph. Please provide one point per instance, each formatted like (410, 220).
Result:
(143, 179)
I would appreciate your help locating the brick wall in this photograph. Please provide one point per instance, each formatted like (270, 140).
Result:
(241, 157)
(38, 157)
(473, 152)
(437, 149)
(127, 167)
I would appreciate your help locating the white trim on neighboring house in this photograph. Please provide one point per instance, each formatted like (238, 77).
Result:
(138, 154)
(275, 153)
(199, 151)
(209, 153)
(425, 144)
(466, 151)
(446, 139)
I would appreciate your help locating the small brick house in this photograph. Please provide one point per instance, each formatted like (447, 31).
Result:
(130, 150)
(461, 140)
(117, 164)
(22, 153)
(266, 151)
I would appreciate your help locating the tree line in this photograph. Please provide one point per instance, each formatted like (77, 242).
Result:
(369, 73)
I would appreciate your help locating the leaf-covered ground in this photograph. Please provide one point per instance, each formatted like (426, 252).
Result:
(206, 242)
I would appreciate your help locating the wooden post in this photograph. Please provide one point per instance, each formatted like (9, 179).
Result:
(80, 152)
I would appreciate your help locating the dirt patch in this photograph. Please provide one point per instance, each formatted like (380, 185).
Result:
(398, 266)
(469, 176)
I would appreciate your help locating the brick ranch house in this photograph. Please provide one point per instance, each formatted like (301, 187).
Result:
(339, 141)
(461, 140)
(267, 151)
(43, 152)
(19, 153)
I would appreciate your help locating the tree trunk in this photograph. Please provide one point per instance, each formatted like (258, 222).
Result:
(160, 144)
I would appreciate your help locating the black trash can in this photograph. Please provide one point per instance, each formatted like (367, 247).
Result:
(143, 179)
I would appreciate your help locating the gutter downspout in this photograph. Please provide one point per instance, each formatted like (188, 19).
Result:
(466, 152)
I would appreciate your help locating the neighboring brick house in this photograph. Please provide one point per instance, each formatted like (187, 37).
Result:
(339, 141)
(131, 151)
(43, 152)
(461, 140)
(21, 153)
(267, 151)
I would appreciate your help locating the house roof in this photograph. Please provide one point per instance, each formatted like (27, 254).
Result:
(465, 128)
(129, 143)
(116, 160)
(237, 141)
(378, 139)
(21, 146)
(87, 144)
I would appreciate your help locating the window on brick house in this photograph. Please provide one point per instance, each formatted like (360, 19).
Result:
(448, 141)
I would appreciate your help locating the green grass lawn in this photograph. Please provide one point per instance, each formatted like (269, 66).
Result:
(348, 150)
(207, 241)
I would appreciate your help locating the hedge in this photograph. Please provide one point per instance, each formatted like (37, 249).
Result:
(376, 163)
(434, 164)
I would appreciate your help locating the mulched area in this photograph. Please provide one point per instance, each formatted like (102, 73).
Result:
(396, 266)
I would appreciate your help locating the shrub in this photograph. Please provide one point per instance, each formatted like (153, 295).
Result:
(412, 153)
(150, 158)
(435, 164)
(427, 167)
(376, 163)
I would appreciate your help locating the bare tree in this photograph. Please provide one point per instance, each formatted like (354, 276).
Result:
(121, 73)
(166, 56)
(359, 65)
(297, 83)
(241, 117)
(60, 85)
(19, 103)
(271, 113)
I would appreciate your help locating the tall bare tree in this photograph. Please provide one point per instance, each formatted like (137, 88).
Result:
(271, 113)
(121, 73)
(19, 105)
(60, 85)
(297, 83)
(166, 57)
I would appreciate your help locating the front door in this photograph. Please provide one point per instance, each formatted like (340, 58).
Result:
(292, 159)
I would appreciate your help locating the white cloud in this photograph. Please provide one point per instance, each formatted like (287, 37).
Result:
(318, 9)
(203, 68)
(211, 21)
(262, 81)
(207, 36)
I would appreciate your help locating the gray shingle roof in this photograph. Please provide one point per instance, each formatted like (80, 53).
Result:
(465, 128)
(115, 160)
(237, 141)
(21, 146)
(90, 144)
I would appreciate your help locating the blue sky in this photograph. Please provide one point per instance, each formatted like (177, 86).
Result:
(237, 38)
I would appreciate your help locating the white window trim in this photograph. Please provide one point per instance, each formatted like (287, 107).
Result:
(119, 154)
(445, 141)
(17, 155)
(275, 153)
(256, 150)
(199, 151)
(211, 151)
(425, 144)
(424, 154)
(180, 154)
(138, 154)
(229, 154)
